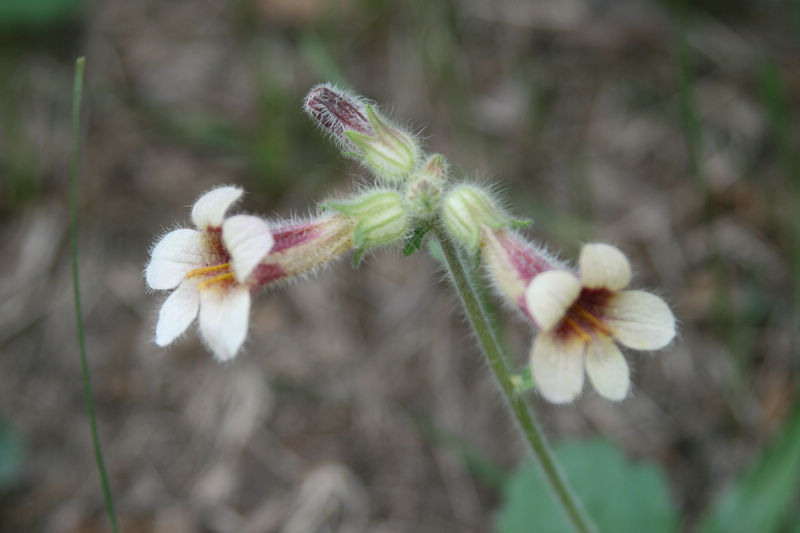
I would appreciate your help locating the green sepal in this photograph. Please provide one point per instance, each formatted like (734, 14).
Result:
(357, 256)
(519, 223)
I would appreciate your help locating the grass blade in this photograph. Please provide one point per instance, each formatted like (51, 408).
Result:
(77, 97)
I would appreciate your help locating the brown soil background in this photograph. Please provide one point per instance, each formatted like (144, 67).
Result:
(573, 108)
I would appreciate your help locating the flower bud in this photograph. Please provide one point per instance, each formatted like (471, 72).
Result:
(467, 210)
(391, 153)
(424, 187)
(338, 111)
(381, 217)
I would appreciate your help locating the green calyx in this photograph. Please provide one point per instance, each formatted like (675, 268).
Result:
(391, 153)
(468, 210)
(381, 217)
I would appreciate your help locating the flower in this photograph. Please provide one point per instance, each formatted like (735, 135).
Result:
(580, 317)
(211, 270)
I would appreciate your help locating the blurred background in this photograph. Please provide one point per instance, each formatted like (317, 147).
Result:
(361, 402)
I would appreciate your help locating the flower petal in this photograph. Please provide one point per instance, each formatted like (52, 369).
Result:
(248, 239)
(607, 368)
(603, 266)
(209, 210)
(557, 367)
(549, 295)
(640, 320)
(176, 253)
(224, 314)
(177, 312)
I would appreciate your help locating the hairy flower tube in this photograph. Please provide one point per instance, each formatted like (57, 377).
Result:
(215, 268)
(388, 150)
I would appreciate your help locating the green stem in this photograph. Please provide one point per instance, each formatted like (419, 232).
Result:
(77, 96)
(522, 412)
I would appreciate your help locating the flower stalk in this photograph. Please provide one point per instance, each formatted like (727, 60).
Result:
(520, 409)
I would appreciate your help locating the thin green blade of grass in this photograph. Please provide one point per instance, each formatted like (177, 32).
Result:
(77, 97)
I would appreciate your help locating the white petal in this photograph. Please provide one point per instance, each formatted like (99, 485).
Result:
(224, 314)
(176, 253)
(209, 210)
(248, 239)
(607, 368)
(557, 367)
(177, 312)
(640, 320)
(549, 295)
(604, 266)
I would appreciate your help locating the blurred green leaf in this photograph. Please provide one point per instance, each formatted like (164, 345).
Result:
(17, 14)
(761, 499)
(11, 454)
(619, 495)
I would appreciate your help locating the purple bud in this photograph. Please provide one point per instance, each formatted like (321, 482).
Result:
(338, 111)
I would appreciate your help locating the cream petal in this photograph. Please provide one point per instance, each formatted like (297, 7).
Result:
(607, 368)
(604, 266)
(640, 320)
(209, 210)
(176, 253)
(178, 311)
(248, 239)
(224, 314)
(557, 367)
(549, 295)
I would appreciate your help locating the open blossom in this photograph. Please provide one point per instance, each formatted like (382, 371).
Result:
(581, 317)
(216, 268)
(211, 269)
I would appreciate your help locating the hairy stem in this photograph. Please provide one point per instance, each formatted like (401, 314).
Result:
(523, 414)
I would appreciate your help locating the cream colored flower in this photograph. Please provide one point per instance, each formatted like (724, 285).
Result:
(580, 317)
(211, 270)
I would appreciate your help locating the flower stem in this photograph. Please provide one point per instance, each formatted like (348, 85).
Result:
(553, 475)
(87, 382)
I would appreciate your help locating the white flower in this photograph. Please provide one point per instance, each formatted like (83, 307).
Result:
(580, 317)
(211, 267)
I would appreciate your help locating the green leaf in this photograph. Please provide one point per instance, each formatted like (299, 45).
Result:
(619, 495)
(11, 454)
(761, 499)
(414, 242)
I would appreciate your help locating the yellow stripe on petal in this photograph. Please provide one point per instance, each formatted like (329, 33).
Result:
(603, 266)
(640, 320)
(557, 367)
(607, 369)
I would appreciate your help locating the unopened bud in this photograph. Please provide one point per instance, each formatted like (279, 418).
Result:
(391, 152)
(338, 111)
(424, 187)
(467, 210)
(381, 217)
